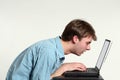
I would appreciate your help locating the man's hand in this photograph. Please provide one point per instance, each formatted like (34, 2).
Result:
(68, 67)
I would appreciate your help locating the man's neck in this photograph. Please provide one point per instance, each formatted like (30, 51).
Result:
(67, 45)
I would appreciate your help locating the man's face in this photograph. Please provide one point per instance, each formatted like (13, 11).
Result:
(80, 46)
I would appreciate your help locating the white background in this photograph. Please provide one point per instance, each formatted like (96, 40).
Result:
(24, 22)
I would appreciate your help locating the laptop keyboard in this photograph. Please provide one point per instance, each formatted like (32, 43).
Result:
(90, 70)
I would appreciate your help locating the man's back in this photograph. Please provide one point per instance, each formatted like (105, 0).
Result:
(37, 61)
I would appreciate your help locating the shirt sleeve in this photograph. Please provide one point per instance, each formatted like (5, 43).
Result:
(21, 67)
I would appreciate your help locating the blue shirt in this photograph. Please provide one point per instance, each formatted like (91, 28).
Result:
(38, 61)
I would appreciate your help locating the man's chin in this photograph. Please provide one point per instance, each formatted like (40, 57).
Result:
(78, 54)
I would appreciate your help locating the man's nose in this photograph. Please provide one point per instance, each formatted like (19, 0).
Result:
(88, 47)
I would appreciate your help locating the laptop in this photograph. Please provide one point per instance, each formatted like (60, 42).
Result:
(92, 72)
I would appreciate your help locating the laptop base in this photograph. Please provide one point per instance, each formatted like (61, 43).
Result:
(77, 78)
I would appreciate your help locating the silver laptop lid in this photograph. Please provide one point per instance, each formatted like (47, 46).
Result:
(103, 53)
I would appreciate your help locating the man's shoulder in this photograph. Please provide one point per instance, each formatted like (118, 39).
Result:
(47, 43)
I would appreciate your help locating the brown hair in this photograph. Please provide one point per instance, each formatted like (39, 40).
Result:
(80, 28)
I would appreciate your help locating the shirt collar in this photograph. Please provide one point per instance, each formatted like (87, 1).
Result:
(60, 48)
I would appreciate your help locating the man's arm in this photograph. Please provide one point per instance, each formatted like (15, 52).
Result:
(68, 67)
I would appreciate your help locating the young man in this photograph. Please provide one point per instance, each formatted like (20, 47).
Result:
(44, 59)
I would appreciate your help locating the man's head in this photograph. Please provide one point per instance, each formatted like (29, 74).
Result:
(80, 28)
(80, 33)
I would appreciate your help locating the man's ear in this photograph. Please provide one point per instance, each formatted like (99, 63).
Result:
(75, 39)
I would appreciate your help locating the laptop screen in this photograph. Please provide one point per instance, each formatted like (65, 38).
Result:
(103, 53)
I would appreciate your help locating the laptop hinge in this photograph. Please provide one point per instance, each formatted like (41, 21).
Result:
(96, 68)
